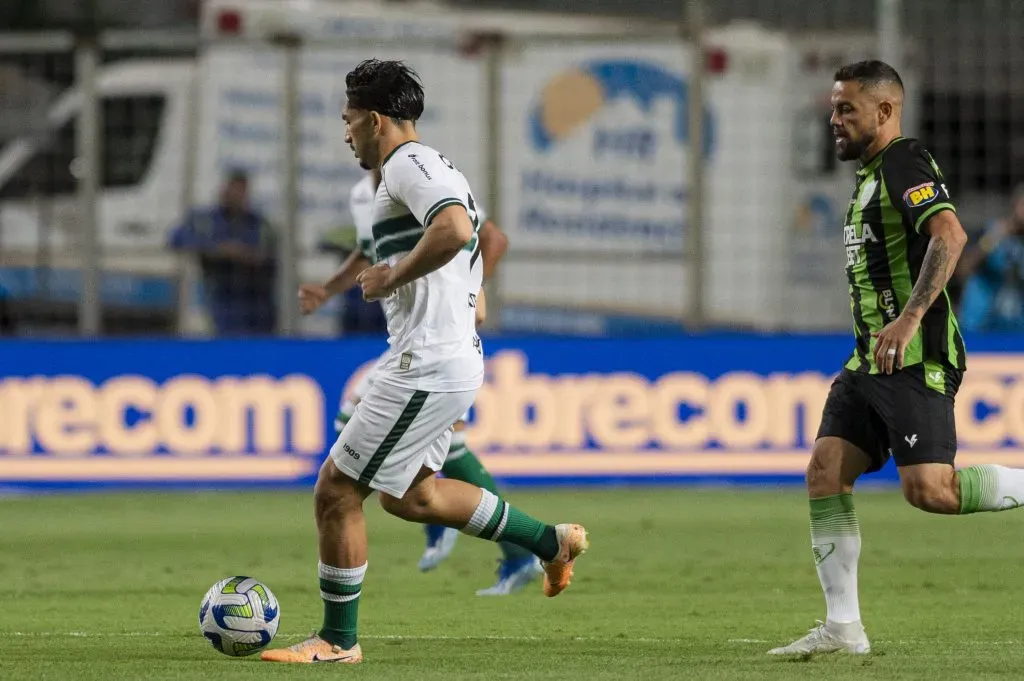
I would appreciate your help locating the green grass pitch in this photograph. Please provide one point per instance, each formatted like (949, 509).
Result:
(678, 584)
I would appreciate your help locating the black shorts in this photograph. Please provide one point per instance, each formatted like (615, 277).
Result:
(903, 415)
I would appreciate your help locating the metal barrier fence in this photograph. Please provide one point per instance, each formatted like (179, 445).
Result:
(638, 190)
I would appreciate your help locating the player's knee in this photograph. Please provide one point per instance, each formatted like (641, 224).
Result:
(412, 507)
(823, 474)
(334, 494)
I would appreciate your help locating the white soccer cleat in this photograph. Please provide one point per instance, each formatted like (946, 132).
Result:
(440, 542)
(513, 576)
(824, 638)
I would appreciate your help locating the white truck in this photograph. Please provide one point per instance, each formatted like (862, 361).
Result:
(588, 138)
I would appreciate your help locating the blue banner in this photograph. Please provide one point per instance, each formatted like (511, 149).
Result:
(732, 408)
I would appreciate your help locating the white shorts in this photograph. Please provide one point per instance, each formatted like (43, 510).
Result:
(394, 432)
(364, 384)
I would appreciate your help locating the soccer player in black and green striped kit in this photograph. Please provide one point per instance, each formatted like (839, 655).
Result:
(894, 396)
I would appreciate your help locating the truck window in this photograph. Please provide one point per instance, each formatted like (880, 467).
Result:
(131, 126)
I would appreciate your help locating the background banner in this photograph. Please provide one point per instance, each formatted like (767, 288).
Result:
(712, 408)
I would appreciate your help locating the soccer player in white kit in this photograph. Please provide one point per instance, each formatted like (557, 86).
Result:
(518, 567)
(399, 434)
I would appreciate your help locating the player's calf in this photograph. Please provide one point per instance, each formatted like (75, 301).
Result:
(931, 487)
(480, 513)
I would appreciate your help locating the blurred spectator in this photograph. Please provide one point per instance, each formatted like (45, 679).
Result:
(236, 248)
(6, 316)
(993, 294)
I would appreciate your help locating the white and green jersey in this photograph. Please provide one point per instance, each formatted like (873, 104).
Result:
(432, 341)
(361, 206)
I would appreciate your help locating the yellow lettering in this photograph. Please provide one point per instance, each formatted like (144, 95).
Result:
(618, 414)
(270, 403)
(574, 394)
(18, 398)
(528, 404)
(731, 391)
(65, 417)
(482, 432)
(1013, 412)
(789, 395)
(988, 431)
(181, 395)
(117, 396)
(671, 391)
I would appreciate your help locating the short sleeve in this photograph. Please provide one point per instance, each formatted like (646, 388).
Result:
(481, 213)
(421, 183)
(915, 184)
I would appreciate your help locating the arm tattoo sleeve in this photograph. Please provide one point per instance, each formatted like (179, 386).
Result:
(935, 272)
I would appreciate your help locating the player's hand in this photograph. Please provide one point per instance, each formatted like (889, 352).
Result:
(311, 297)
(892, 341)
(377, 282)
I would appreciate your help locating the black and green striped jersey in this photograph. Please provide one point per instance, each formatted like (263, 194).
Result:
(885, 236)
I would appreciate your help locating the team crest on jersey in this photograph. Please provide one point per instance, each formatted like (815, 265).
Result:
(920, 195)
(867, 190)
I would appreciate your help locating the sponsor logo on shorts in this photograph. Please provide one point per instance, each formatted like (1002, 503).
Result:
(405, 362)
(920, 195)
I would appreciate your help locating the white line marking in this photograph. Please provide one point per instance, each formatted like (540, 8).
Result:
(379, 637)
(442, 637)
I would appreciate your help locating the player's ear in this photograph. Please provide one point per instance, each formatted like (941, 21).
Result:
(377, 121)
(885, 110)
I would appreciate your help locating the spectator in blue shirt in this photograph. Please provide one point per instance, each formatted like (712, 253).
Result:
(993, 295)
(236, 249)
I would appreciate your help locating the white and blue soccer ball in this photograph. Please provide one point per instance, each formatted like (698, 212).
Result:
(239, 616)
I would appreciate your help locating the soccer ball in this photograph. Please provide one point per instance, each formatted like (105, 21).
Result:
(239, 616)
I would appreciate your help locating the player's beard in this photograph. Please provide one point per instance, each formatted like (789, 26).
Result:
(848, 149)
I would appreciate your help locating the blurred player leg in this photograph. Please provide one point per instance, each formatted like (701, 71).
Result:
(518, 567)
(396, 442)
(480, 513)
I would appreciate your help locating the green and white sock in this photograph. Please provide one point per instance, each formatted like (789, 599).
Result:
(496, 520)
(340, 589)
(835, 542)
(990, 488)
(463, 465)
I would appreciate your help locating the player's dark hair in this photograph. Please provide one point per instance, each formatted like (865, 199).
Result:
(870, 73)
(390, 88)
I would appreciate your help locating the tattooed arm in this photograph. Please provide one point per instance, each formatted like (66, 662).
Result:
(944, 248)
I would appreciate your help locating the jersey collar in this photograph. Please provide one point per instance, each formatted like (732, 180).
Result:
(873, 164)
(392, 153)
